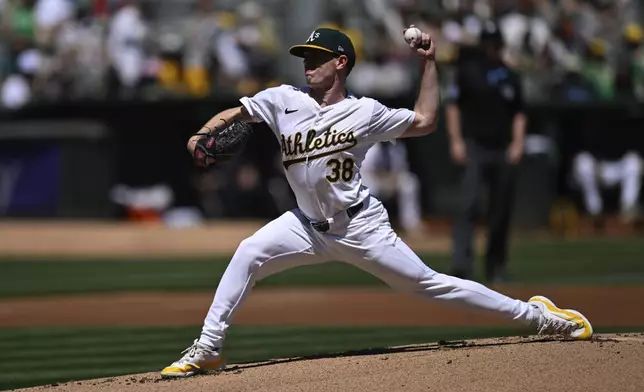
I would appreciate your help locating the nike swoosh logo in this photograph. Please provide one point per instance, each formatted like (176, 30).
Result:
(286, 111)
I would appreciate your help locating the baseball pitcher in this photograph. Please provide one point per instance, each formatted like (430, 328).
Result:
(324, 133)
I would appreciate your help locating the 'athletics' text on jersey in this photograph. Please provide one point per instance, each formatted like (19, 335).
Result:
(323, 147)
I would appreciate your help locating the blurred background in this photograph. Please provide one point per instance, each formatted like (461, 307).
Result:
(111, 89)
(97, 101)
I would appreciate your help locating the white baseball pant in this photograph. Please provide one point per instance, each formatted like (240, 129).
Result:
(367, 242)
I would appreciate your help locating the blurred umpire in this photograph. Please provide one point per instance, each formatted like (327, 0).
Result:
(486, 128)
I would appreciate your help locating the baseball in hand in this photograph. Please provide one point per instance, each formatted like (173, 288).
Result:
(412, 34)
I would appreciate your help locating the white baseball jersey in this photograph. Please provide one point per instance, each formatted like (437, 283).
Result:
(322, 150)
(323, 147)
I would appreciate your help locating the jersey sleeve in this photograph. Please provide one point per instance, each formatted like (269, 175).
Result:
(387, 123)
(261, 106)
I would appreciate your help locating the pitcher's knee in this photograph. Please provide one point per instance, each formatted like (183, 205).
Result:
(250, 252)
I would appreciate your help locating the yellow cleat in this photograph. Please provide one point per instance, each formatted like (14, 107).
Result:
(566, 322)
(197, 359)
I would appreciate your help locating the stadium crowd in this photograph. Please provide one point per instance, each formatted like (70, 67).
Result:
(53, 50)
(94, 50)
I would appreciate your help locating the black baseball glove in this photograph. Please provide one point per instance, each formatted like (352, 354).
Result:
(221, 144)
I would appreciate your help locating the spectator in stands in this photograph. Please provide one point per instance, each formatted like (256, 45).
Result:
(383, 71)
(616, 161)
(234, 64)
(80, 55)
(463, 25)
(256, 37)
(128, 32)
(338, 20)
(565, 43)
(631, 63)
(606, 20)
(18, 24)
(17, 88)
(573, 86)
(17, 32)
(170, 51)
(609, 157)
(526, 35)
(232, 61)
(50, 15)
(585, 17)
(235, 50)
(199, 58)
(598, 170)
(597, 69)
(17, 28)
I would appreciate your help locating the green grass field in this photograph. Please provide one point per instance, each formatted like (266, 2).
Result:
(44, 356)
(583, 262)
(40, 356)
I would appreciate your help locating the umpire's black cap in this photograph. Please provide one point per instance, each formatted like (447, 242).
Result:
(328, 40)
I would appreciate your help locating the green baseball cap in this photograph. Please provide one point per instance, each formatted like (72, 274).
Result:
(328, 40)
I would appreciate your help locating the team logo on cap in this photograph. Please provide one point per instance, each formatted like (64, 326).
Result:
(313, 36)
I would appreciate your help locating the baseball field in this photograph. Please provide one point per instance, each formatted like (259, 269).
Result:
(104, 307)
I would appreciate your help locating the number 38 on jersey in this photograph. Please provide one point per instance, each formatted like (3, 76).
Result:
(340, 169)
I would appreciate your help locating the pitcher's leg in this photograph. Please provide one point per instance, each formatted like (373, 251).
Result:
(398, 266)
(284, 243)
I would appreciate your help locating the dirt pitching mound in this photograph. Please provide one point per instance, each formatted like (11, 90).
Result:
(608, 363)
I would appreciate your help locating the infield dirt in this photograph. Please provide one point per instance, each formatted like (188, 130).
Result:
(608, 363)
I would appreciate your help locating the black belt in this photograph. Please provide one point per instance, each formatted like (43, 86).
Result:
(324, 226)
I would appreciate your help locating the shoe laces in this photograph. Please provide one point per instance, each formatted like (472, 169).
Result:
(192, 350)
(556, 325)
